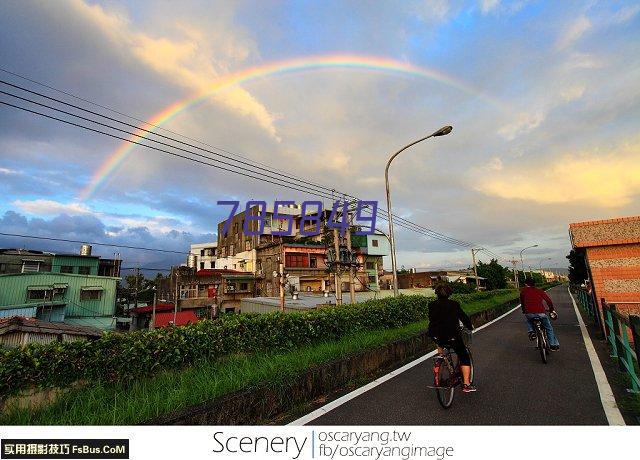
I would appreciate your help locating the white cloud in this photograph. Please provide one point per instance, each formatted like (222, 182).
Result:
(10, 172)
(43, 207)
(438, 9)
(573, 32)
(487, 5)
(625, 14)
(523, 123)
(609, 179)
(198, 60)
(573, 92)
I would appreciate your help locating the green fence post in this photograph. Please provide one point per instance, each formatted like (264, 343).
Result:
(611, 335)
(617, 337)
(634, 322)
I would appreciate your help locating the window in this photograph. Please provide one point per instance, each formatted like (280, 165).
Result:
(3, 268)
(247, 245)
(232, 251)
(30, 266)
(201, 265)
(90, 294)
(84, 270)
(296, 260)
(202, 252)
(213, 264)
(223, 252)
(244, 286)
(66, 269)
(38, 294)
(259, 265)
(374, 243)
(313, 262)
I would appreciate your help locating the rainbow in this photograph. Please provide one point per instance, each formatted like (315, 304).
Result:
(369, 63)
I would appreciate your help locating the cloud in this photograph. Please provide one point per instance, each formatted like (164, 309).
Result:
(573, 32)
(608, 179)
(193, 60)
(573, 92)
(487, 5)
(42, 207)
(523, 123)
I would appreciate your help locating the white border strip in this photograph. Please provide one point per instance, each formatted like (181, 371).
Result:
(614, 417)
(358, 391)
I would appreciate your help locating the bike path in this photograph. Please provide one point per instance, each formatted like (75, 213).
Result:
(514, 386)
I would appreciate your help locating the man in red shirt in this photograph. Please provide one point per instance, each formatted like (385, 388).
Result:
(531, 300)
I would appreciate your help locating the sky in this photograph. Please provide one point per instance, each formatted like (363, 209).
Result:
(543, 97)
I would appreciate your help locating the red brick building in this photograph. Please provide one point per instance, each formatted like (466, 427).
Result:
(612, 252)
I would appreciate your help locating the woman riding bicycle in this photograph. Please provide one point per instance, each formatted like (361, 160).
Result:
(444, 329)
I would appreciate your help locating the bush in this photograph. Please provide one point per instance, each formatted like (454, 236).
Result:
(119, 357)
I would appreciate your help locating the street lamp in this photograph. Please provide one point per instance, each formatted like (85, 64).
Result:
(540, 266)
(441, 132)
(521, 259)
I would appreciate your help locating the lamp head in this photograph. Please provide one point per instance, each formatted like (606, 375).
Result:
(443, 131)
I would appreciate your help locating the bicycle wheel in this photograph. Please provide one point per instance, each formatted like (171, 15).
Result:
(542, 346)
(446, 381)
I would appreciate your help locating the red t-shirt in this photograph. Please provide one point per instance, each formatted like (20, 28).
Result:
(531, 299)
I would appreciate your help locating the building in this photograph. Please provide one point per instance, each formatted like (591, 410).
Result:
(420, 279)
(59, 288)
(209, 292)
(24, 260)
(18, 331)
(202, 255)
(236, 249)
(612, 253)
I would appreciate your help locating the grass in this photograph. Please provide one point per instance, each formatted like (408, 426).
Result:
(172, 390)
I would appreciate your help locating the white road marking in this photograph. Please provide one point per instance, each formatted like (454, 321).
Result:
(357, 392)
(614, 417)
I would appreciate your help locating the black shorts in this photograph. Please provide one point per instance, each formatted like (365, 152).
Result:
(458, 346)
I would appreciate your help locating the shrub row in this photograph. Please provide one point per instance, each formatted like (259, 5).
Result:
(123, 357)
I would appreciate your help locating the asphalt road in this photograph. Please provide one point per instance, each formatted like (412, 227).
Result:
(514, 386)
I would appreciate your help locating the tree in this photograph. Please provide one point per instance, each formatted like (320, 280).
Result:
(578, 272)
(495, 274)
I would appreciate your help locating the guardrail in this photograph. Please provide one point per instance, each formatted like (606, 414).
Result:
(588, 304)
(617, 327)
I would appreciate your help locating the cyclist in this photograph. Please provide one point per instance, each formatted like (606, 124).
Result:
(531, 300)
(444, 328)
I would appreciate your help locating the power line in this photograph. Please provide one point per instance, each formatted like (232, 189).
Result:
(403, 222)
(319, 189)
(92, 243)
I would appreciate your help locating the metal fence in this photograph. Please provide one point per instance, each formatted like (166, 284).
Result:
(618, 326)
(588, 304)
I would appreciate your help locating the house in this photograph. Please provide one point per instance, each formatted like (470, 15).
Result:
(210, 291)
(202, 255)
(612, 253)
(17, 331)
(59, 288)
(415, 278)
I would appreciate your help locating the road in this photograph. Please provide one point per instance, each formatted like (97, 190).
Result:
(514, 386)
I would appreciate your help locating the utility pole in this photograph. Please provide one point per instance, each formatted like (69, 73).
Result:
(281, 281)
(515, 273)
(175, 307)
(338, 281)
(137, 279)
(352, 287)
(475, 266)
(153, 314)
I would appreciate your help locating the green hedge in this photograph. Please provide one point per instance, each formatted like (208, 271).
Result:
(123, 357)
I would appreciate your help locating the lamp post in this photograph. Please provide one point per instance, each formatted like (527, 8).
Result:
(521, 259)
(441, 132)
(540, 267)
